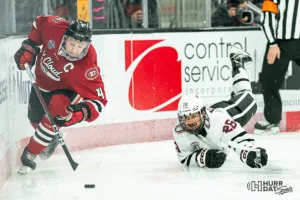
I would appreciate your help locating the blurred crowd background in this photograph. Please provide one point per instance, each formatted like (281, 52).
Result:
(16, 16)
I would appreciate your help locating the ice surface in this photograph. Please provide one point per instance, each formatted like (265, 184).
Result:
(151, 171)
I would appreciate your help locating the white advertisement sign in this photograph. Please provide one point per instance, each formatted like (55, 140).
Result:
(147, 73)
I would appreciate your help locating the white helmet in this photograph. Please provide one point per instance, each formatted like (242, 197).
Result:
(189, 105)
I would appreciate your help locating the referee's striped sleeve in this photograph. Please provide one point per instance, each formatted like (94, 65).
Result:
(269, 25)
(268, 20)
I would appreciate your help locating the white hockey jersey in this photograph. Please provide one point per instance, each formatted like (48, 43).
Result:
(220, 132)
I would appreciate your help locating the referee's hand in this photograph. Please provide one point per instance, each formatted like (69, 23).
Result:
(274, 52)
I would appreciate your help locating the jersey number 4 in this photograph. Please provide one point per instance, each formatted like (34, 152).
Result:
(100, 93)
(229, 126)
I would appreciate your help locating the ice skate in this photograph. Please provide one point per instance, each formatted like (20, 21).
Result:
(239, 58)
(28, 163)
(50, 149)
(265, 128)
(241, 62)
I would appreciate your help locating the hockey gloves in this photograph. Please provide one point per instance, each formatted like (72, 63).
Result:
(211, 158)
(26, 54)
(77, 113)
(251, 159)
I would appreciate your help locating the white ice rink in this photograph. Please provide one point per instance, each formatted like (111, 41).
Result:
(151, 171)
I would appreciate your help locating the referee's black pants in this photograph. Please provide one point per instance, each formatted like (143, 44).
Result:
(272, 77)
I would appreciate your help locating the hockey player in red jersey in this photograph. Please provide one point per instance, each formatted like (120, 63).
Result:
(204, 135)
(68, 76)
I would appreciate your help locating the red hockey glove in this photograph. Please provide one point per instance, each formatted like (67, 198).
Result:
(26, 54)
(77, 113)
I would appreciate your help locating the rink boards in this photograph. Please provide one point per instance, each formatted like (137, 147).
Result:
(144, 76)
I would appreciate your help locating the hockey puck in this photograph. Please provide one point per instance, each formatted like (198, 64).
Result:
(89, 186)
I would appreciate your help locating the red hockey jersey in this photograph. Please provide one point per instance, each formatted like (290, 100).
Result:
(54, 71)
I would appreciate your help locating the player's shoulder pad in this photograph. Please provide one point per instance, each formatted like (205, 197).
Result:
(215, 111)
(90, 67)
(91, 58)
(221, 113)
(216, 118)
(209, 109)
(50, 21)
(57, 20)
(92, 52)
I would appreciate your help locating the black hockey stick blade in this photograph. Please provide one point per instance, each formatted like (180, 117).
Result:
(72, 162)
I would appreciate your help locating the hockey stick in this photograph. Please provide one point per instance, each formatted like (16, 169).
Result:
(45, 107)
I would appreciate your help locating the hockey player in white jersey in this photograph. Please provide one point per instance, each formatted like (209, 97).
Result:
(204, 135)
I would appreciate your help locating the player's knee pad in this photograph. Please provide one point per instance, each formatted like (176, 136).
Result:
(246, 107)
(252, 106)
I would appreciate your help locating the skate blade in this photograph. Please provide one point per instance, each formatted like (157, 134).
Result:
(234, 49)
(272, 131)
(44, 156)
(24, 170)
